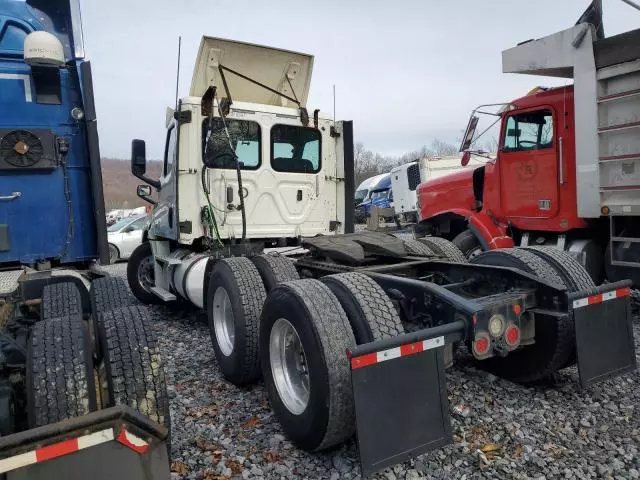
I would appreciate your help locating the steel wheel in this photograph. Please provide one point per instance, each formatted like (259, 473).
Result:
(289, 366)
(223, 321)
(471, 254)
(146, 274)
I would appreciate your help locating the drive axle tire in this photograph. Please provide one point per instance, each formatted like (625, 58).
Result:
(468, 244)
(554, 339)
(60, 380)
(304, 334)
(574, 275)
(132, 363)
(275, 269)
(108, 293)
(234, 302)
(417, 249)
(370, 311)
(445, 248)
(59, 300)
(141, 274)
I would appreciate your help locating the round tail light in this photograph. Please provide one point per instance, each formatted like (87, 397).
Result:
(512, 336)
(481, 345)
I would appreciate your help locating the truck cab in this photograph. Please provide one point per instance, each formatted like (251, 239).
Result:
(566, 172)
(291, 177)
(49, 156)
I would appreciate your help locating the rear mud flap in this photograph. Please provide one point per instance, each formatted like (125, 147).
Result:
(402, 409)
(115, 443)
(604, 333)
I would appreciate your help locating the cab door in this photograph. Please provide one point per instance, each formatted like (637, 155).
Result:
(529, 165)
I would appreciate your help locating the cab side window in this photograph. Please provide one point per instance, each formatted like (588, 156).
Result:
(140, 224)
(244, 138)
(12, 37)
(529, 131)
(295, 149)
(169, 150)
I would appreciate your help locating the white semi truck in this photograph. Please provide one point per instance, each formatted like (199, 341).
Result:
(247, 167)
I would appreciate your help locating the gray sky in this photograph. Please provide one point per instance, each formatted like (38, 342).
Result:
(405, 72)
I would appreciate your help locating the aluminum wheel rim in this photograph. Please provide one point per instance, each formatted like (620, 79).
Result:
(289, 366)
(113, 254)
(223, 321)
(146, 274)
(474, 253)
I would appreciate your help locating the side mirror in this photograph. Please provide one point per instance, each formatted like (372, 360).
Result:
(128, 230)
(466, 157)
(469, 133)
(138, 157)
(144, 192)
(139, 163)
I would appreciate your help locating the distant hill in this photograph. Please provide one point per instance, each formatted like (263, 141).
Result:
(120, 185)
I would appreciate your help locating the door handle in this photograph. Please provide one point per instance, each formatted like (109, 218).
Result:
(13, 196)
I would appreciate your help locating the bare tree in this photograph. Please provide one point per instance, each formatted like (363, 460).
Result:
(442, 148)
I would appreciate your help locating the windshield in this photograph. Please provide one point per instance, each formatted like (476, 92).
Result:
(120, 224)
(361, 194)
(380, 194)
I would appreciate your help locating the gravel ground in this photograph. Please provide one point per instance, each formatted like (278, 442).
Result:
(509, 431)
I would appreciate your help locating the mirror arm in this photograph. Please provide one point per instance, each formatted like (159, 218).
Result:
(147, 199)
(150, 181)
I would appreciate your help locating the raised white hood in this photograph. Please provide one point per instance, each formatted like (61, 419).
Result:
(266, 65)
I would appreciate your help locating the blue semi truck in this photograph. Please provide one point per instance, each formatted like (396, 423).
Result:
(82, 390)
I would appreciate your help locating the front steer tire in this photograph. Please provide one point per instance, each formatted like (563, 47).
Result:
(468, 244)
(234, 320)
(140, 274)
(60, 380)
(323, 329)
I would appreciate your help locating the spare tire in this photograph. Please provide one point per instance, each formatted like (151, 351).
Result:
(554, 339)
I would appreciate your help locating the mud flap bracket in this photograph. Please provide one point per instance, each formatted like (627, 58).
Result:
(604, 333)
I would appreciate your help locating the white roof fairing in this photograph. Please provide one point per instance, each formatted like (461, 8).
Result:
(269, 66)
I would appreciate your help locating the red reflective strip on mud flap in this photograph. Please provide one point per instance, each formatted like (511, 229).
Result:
(396, 352)
(56, 450)
(601, 297)
(132, 441)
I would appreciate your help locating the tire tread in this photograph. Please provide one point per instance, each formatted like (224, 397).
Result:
(60, 371)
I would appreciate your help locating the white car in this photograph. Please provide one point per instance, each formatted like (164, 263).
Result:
(125, 235)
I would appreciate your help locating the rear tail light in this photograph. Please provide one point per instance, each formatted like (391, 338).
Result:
(496, 325)
(512, 336)
(481, 345)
